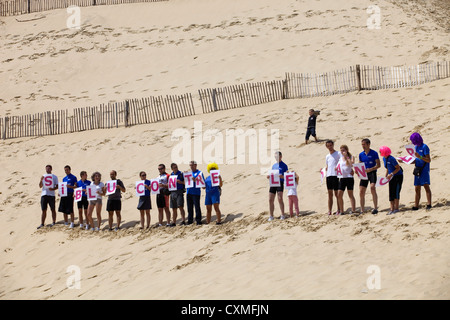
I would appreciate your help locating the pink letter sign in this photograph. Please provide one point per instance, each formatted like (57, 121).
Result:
(339, 171)
(323, 172)
(274, 178)
(407, 159)
(154, 185)
(62, 189)
(215, 180)
(382, 181)
(189, 182)
(200, 181)
(140, 188)
(47, 182)
(91, 192)
(360, 170)
(411, 149)
(78, 194)
(172, 183)
(111, 187)
(289, 180)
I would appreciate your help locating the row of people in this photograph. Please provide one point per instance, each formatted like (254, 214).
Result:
(165, 200)
(343, 159)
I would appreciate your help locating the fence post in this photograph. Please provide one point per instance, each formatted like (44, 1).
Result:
(127, 112)
(4, 128)
(284, 94)
(358, 76)
(214, 93)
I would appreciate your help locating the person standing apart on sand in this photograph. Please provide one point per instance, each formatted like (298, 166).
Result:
(115, 201)
(311, 128)
(212, 195)
(66, 203)
(395, 172)
(278, 191)
(422, 166)
(346, 162)
(97, 203)
(331, 161)
(372, 163)
(162, 198)
(177, 196)
(293, 198)
(48, 197)
(83, 203)
(193, 197)
(145, 203)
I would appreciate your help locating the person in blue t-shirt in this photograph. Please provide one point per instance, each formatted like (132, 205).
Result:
(193, 197)
(372, 163)
(395, 173)
(422, 164)
(177, 196)
(66, 203)
(278, 191)
(83, 203)
(212, 195)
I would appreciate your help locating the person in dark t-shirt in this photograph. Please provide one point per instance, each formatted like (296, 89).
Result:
(311, 130)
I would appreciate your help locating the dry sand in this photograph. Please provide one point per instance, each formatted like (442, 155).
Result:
(180, 46)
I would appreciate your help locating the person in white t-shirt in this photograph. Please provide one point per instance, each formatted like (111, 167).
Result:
(345, 173)
(48, 195)
(332, 160)
(293, 198)
(97, 204)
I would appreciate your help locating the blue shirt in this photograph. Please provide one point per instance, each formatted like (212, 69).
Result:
(194, 190)
(422, 150)
(282, 168)
(390, 163)
(71, 181)
(83, 185)
(209, 187)
(369, 159)
(180, 177)
(147, 192)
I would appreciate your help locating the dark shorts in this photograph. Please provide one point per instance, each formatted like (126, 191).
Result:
(66, 204)
(372, 179)
(346, 183)
(311, 131)
(162, 201)
(395, 186)
(332, 183)
(177, 199)
(274, 190)
(83, 203)
(47, 200)
(145, 203)
(114, 205)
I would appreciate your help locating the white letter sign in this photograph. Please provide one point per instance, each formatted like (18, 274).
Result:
(140, 188)
(382, 181)
(173, 183)
(215, 180)
(47, 182)
(91, 192)
(154, 185)
(189, 182)
(360, 170)
(411, 149)
(274, 178)
(200, 181)
(78, 194)
(289, 180)
(111, 187)
(62, 189)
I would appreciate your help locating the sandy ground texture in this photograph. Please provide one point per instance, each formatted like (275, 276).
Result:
(181, 46)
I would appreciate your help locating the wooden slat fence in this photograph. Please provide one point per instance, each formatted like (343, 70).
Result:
(16, 7)
(243, 95)
(106, 116)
